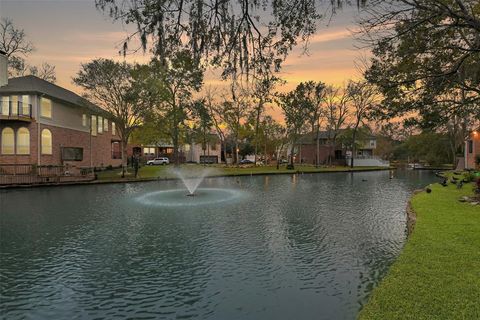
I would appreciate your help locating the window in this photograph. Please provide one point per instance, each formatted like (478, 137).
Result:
(14, 102)
(8, 141)
(46, 141)
(25, 105)
(94, 125)
(46, 108)
(105, 125)
(84, 120)
(5, 101)
(23, 141)
(72, 154)
(213, 147)
(149, 151)
(114, 132)
(100, 124)
(470, 146)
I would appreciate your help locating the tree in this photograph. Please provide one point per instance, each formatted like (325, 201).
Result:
(204, 123)
(233, 111)
(109, 84)
(262, 92)
(296, 112)
(363, 97)
(429, 147)
(274, 137)
(14, 43)
(168, 86)
(313, 95)
(238, 36)
(426, 60)
(216, 115)
(337, 112)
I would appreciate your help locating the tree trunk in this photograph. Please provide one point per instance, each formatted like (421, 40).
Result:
(257, 126)
(224, 144)
(292, 165)
(124, 155)
(354, 137)
(317, 153)
(175, 137)
(265, 154)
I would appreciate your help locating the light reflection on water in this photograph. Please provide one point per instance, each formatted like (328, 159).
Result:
(289, 247)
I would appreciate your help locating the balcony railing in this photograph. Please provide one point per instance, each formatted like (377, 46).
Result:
(16, 111)
(16, 174)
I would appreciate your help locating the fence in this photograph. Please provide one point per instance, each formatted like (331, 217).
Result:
(17, 174)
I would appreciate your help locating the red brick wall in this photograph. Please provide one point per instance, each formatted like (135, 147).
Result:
(308, 153)
(62, 137)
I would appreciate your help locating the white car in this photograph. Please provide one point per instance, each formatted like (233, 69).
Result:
(158, 161)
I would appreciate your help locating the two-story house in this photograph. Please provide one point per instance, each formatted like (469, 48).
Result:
(306, 150)
(44, 124)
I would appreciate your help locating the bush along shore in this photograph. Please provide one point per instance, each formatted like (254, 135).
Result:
(437, 275)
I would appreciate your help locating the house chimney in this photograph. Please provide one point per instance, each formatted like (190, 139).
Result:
(3, 69)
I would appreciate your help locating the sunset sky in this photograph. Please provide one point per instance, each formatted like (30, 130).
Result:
(66, 33)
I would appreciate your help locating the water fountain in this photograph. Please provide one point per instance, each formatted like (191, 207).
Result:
(192, 182)
(192, 178)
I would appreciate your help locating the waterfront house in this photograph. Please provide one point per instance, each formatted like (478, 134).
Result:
(42, 124)
(472, 150)
(306, 148)
(188, 152)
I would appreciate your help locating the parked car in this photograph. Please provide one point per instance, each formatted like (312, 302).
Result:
(158, 161)
(246, 161)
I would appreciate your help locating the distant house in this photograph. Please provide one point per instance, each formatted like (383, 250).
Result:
(306, 148)
(188, 152)
(472, 150)
(44, 124)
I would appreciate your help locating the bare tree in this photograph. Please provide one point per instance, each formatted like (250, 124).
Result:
(262, 93)
(216, 114)
(14, 42)
(364, 98)
(337, 111)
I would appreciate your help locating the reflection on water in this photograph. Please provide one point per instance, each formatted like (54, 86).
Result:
(291, 247)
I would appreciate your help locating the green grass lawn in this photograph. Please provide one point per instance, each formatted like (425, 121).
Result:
(165, 172)
(437, 275)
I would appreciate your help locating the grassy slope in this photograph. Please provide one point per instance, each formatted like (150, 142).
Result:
(149, 172)
(437, 276)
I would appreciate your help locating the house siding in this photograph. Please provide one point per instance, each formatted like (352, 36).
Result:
(67, 131)
(470, 156)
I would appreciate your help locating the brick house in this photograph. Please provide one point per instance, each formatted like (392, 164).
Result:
(43, 124)
(306, 148)
(472, 150)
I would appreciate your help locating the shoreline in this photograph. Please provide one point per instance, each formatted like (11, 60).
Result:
(435, 265)
(242, 174)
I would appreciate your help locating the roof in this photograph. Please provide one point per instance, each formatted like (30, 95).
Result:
(311, 138)
(35, 85)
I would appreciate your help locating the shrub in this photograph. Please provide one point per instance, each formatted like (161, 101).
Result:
(469, 176)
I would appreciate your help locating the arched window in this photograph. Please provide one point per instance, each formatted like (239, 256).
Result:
(23, 141)
(8, 141)
(46, 141)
